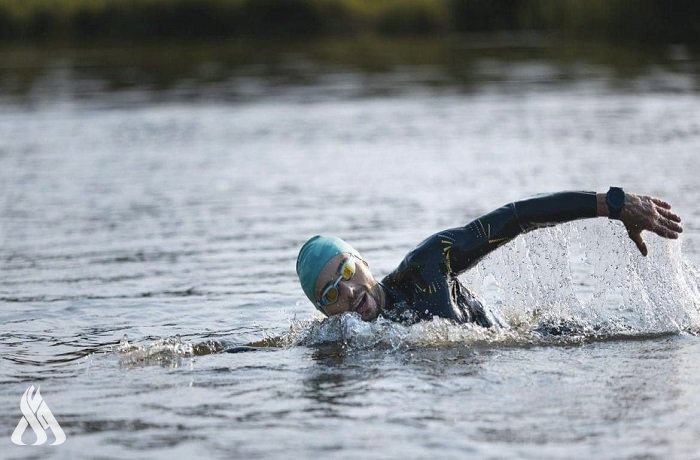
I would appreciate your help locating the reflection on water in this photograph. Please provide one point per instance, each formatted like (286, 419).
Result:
(318, 70)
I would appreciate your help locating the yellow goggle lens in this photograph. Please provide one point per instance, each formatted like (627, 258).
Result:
(331, 295)
(348, 269)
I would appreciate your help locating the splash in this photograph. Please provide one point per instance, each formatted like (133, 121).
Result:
(351, 331)
(166, 352)
(591, 274)
(573, 283)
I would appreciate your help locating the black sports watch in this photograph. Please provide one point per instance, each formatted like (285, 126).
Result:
(615, 199)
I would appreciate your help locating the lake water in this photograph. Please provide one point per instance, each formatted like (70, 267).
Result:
(150, 218)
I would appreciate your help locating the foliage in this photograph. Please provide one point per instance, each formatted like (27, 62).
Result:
(642, 20)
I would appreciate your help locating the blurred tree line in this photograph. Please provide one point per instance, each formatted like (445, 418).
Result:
(625, 20)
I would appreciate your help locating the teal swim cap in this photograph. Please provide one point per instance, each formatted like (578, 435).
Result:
(314, 255)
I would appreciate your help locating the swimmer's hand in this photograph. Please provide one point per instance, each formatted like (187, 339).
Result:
(645, 213)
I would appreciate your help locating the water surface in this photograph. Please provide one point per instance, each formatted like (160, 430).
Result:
(171, 213)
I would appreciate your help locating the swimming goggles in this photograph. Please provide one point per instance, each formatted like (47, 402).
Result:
(330, 293)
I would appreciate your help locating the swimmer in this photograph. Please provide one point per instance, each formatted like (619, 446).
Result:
(337, 279)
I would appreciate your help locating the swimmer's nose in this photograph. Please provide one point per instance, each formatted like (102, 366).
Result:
(351, 290)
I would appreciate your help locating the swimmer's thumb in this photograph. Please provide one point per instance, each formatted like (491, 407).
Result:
(641, 245)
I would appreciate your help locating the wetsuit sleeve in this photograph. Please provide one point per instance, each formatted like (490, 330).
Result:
(463, 247)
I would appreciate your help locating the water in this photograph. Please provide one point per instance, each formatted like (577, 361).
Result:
(144, 228)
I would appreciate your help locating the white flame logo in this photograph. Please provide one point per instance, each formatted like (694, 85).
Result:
(37, 415)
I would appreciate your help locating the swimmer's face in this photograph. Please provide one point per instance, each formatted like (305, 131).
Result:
(361, 293)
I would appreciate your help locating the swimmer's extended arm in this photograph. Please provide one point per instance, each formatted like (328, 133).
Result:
(464, 246)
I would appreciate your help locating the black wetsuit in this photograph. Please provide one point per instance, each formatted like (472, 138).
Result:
(425, 284)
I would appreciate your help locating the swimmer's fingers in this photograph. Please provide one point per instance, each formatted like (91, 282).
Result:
(670, 216)
(641, 245)
(666, 223)
(660, 203)
(670, 225)
(665, 232)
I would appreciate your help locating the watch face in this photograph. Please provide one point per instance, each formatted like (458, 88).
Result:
(616, 197)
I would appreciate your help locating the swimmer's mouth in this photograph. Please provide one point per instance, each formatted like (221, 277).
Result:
(361, 304)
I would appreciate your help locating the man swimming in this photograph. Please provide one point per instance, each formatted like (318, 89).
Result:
(336, 278)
